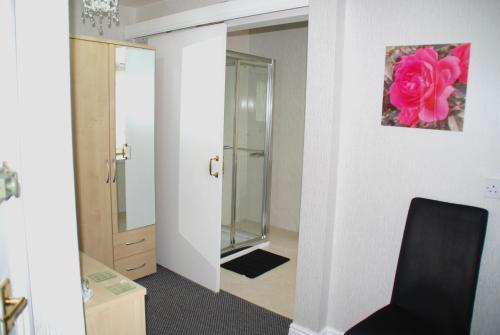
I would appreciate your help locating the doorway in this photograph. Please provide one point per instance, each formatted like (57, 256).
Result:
(285, 47)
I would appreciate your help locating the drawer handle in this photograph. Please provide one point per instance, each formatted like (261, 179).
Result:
(136, 242)
(136, 268)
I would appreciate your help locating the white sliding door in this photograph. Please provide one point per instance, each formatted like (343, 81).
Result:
(190, 74)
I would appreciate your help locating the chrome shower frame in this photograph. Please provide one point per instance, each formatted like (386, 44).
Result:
(239, 58)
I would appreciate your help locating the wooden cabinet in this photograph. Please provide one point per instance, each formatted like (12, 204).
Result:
(135, 252)
(114, 152)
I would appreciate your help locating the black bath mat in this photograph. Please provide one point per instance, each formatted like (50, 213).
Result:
(255, 263)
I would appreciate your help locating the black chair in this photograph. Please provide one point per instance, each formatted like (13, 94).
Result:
(437, 272)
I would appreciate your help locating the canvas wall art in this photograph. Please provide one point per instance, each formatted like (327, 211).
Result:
(425, 86)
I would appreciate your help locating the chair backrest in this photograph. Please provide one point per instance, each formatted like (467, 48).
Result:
(439, 262)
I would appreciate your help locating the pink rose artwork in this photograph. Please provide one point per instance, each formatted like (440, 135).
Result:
(462, 52)
(425, 86)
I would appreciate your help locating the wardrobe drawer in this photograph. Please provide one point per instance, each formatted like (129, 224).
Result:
(137, 266)
(134, 242)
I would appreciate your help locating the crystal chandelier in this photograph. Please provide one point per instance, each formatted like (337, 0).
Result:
(97, 10)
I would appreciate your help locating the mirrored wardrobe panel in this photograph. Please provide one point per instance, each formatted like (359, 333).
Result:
(134, 138)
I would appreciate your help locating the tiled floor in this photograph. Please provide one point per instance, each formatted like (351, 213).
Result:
(274, 290)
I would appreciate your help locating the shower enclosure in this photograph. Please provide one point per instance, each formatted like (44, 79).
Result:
(247, 137)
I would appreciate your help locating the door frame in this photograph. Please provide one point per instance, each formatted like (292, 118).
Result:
(322, 129)
(46, 178)
(238, 15)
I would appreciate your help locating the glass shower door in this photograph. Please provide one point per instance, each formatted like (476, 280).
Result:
(250, 144)
(247, 132)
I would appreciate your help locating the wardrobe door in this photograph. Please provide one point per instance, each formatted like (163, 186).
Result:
(132, 138)
(91, 105)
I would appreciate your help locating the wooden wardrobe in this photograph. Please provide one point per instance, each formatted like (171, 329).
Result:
(113, 137)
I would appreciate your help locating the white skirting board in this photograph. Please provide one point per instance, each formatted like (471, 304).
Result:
(295, 329)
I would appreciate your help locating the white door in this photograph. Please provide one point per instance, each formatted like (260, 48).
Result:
(13, 258)
(38, 230)
(190, 90)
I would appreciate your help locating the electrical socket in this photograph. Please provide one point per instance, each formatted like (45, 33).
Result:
(492, 188)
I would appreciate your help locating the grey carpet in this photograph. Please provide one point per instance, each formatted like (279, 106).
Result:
(175, 305)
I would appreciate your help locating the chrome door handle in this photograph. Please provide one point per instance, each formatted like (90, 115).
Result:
(210, 166)
(114, 171)
(109, 172)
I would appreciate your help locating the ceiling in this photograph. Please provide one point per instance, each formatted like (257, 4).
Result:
(136, 3)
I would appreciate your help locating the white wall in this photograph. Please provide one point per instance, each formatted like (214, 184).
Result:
(382, 168)
(288, 46)
(319, 177)
(239, 41)
(127, 16)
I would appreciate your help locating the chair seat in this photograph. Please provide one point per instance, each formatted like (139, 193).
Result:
(392, 320)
